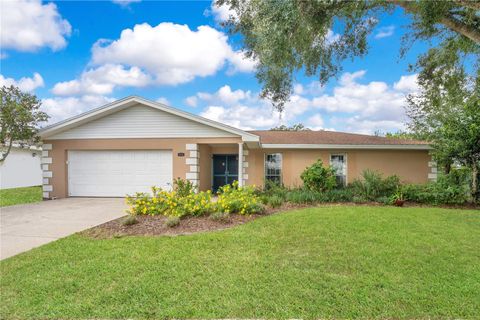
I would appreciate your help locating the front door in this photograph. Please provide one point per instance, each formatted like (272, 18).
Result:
(225, 170)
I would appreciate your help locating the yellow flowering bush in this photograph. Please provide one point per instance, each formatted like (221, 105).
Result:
(171, 203)
(184, 201)
(235, 199)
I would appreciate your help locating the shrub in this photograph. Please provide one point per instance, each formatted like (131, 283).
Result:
(319, 178)
(359, 199)
(373, 185)
(183, 187)
(235, 199)
(339, 195)
(172, 222)
(180, 202)
(130, 220)
(384, 200)
(273, 188)
(302, 196)
(275, 201)
(220, 216)
(446, 190)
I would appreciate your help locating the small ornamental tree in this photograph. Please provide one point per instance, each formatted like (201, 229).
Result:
(20, 117)
(319, 178)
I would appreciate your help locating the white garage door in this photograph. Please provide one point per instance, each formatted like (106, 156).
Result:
(115, 173)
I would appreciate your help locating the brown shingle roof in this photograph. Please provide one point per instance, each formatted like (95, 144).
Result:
(328, 137)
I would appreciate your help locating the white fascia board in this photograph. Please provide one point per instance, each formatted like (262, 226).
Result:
(348, 146)
(128, 101)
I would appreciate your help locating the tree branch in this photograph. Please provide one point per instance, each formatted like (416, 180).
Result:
(5, 154)
(448, 21)
(475, 5)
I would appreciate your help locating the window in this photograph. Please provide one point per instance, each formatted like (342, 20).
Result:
(339, 163)
(273, 167)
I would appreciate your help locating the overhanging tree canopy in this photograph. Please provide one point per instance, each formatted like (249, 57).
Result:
(288, 36)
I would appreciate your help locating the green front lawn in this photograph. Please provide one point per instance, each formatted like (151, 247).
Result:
(338, 261)
(9, 197)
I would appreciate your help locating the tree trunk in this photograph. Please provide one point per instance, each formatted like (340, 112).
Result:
(448, 167)
(449, 21)
(475, 178)
(5, 154)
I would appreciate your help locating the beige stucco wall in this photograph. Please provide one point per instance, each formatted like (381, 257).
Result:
(410, 165)
(59, 152)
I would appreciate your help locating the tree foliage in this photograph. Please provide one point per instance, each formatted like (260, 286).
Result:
(20, 118)
(290, 36)
(447, 113)
(294, 127)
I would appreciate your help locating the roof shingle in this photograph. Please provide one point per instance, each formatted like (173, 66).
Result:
(328, 137)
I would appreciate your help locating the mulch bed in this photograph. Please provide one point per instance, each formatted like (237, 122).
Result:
(156, 225)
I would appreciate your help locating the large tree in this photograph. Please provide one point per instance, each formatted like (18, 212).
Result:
(20, 119)
(447, 113)
(287, 36)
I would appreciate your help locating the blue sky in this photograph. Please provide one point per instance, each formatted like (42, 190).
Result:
(79, 55)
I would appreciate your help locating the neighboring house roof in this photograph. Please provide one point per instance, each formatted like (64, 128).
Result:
(333, 139)
(130, 101)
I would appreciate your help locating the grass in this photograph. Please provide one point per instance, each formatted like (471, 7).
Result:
(9, 197)
(325, 262)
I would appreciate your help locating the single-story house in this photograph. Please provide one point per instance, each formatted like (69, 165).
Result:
(132, 144)
(21, 168)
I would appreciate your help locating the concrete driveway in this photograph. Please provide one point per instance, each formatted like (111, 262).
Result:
(24, 227)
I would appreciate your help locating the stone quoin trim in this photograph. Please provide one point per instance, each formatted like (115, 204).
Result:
(245, 166)
(46, 173)
(193, 161)
(432, 175)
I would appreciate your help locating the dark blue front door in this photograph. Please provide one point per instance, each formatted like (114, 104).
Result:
(225, 170)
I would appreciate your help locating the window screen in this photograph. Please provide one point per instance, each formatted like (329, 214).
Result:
(273, 167)
(339, 163)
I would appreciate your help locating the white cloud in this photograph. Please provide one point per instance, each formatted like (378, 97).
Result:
(102, 80)
(315, 122)
(245, 110)
(359, 124)
(374, 99)
(242, 116)
(163, 100)
(407, 83)
(25, 83)
(124, 3)
(62, 108)
(172, 53)
(298, 88)
(332, 37)
(222, 13)
(28, 25)
(313, 88)
(224, 95)
(385, 32)
(191, 101)
(240, 63)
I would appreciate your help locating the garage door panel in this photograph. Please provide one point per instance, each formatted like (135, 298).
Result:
(115, 173)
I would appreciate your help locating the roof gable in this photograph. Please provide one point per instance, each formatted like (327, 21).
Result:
(136, 117)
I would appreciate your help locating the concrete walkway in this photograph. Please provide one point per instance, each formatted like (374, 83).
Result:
(24, 227)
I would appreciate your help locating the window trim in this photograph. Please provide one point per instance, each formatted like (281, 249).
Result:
(265, 155)
(345, 157)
